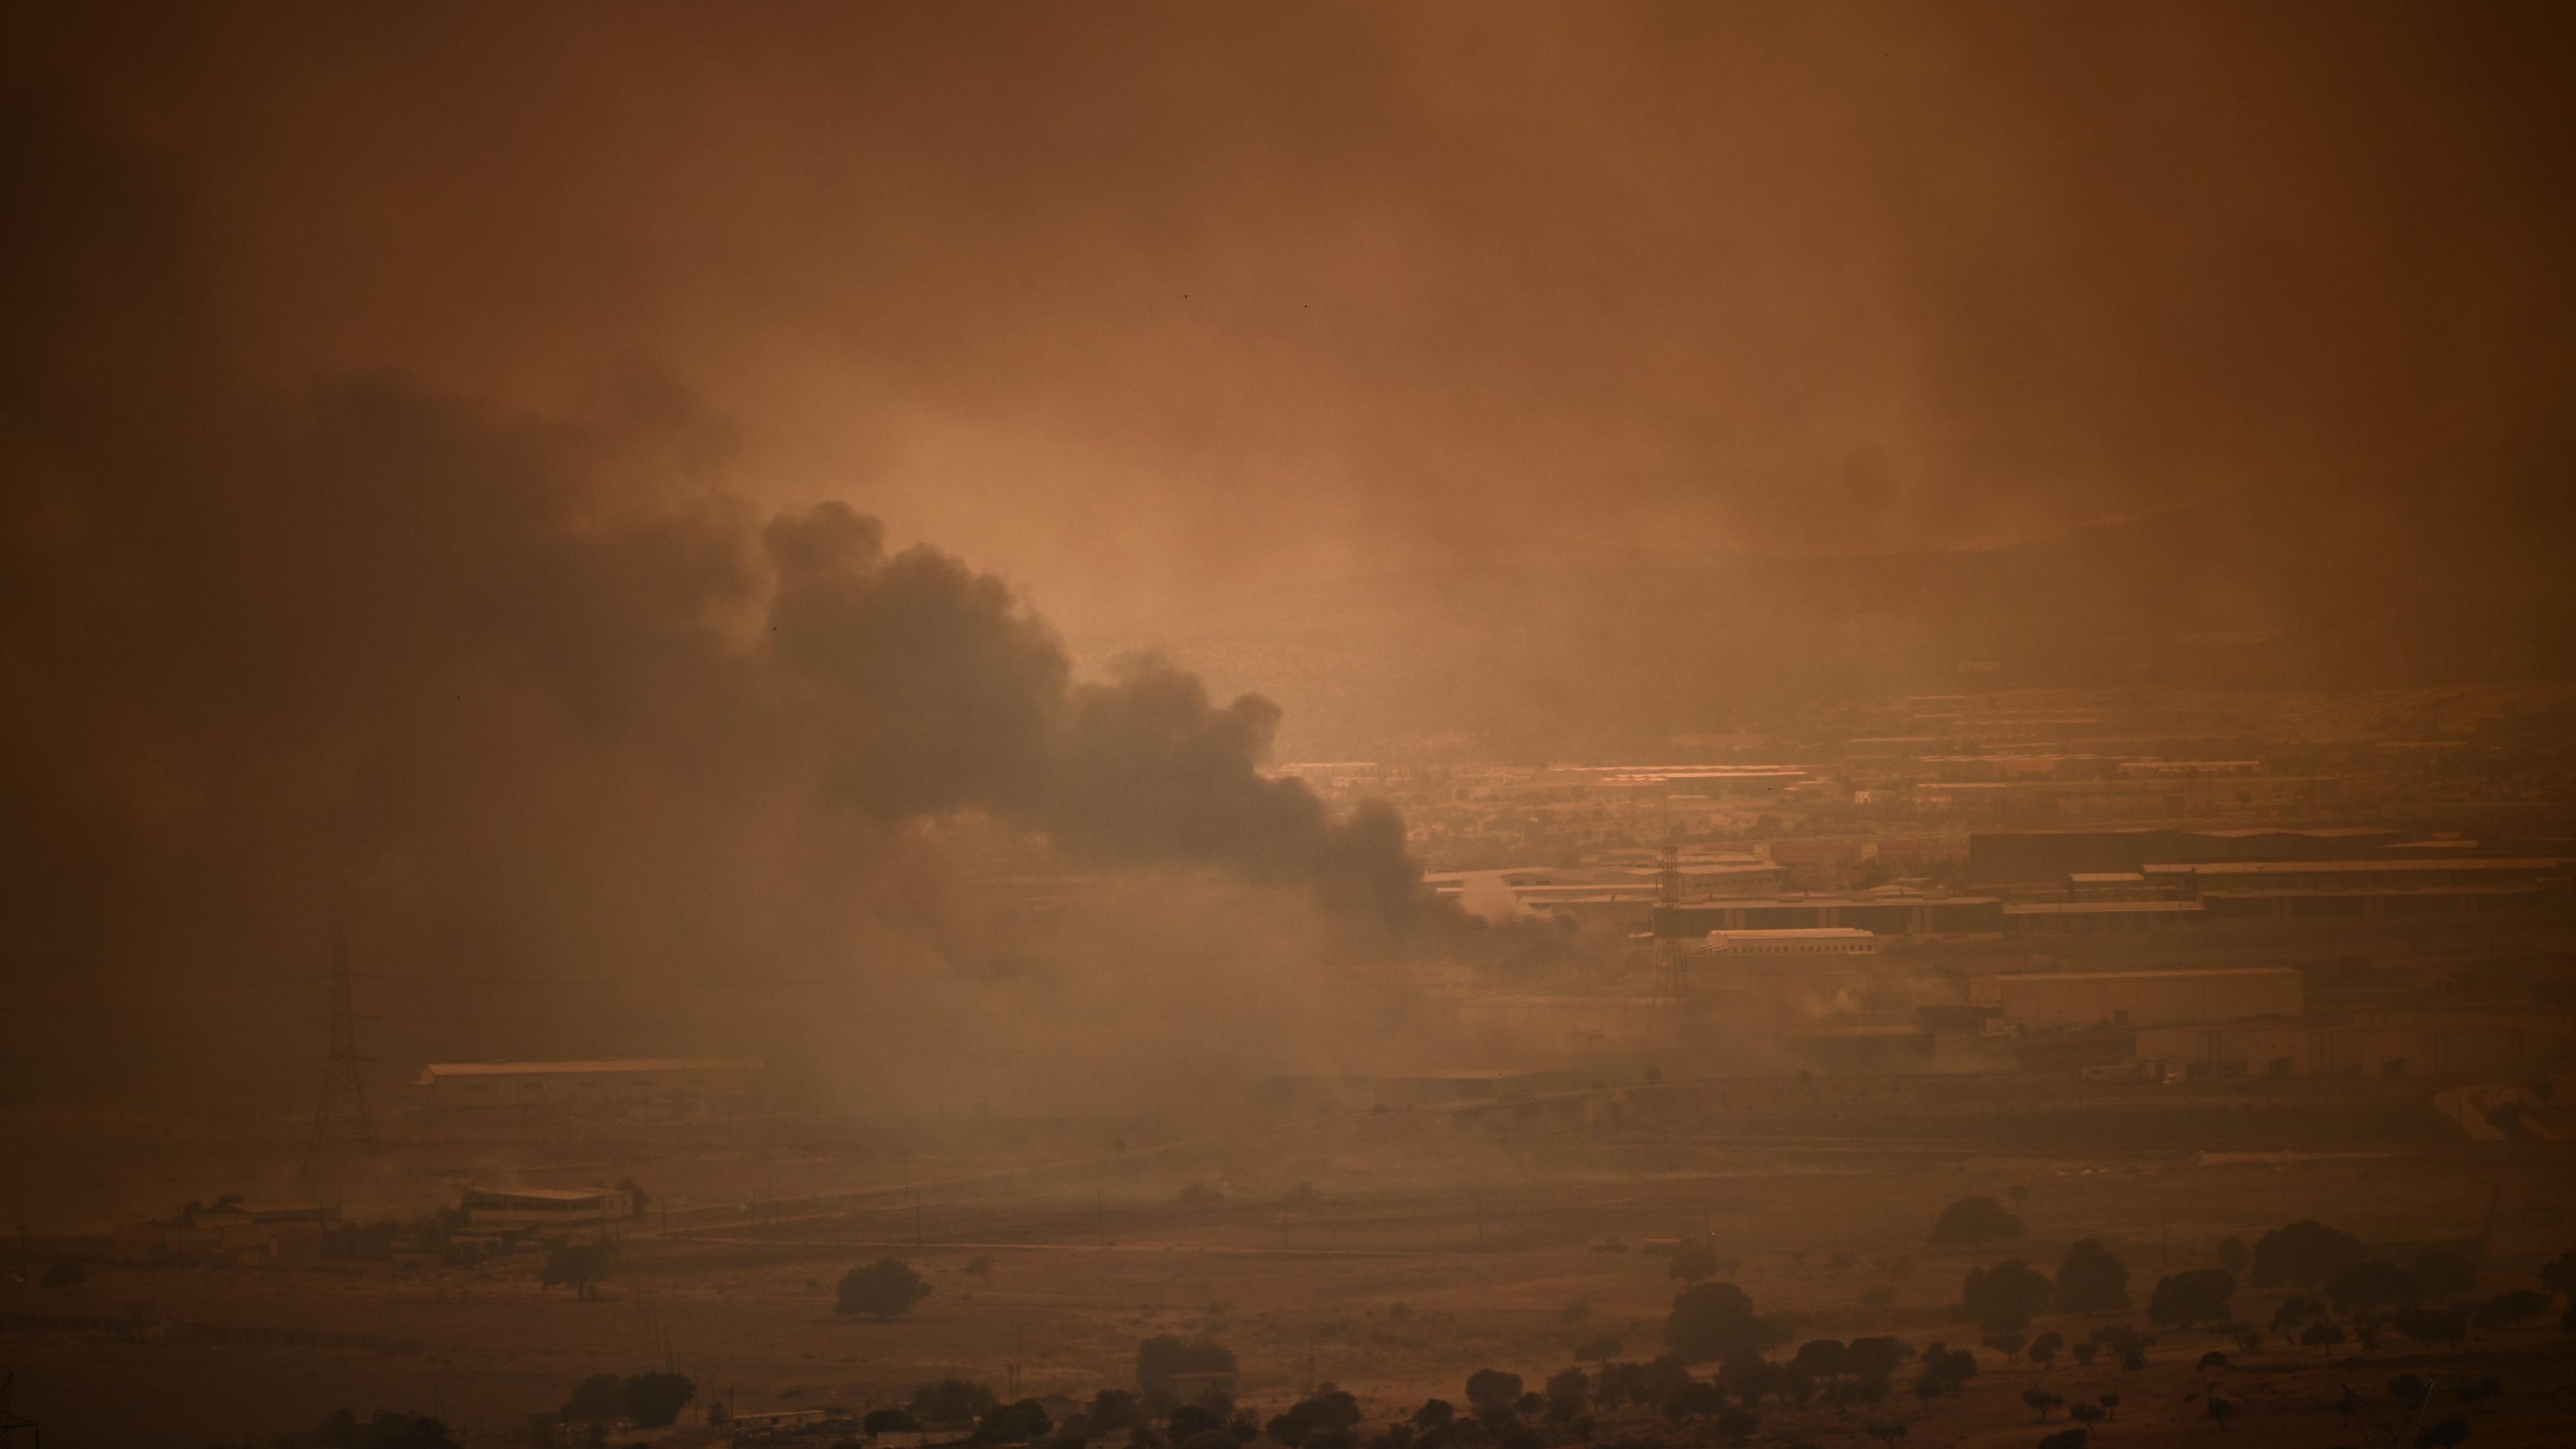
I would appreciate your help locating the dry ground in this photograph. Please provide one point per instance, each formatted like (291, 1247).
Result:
(1433, 1251)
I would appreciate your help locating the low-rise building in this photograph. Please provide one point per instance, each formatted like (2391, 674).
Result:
(545, 1211)
(231, 1231)
(1884, 912)
(645, 1087)
(1810, 941)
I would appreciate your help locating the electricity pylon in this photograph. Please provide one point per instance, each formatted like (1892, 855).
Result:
(342, 1126)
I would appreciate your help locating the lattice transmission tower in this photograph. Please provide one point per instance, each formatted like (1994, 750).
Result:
(343, 1128)
(1672, 950)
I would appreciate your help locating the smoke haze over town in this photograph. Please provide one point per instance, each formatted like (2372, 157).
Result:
(1315, 628)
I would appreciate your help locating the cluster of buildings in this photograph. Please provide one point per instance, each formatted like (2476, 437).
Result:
(2141, 953)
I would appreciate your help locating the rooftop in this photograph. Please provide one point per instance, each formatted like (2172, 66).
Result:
(1804, 933)
(2106, 908)
(2354, 867)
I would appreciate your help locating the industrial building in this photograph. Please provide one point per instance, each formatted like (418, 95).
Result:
(2447, 873)
(2061, 1000)
(2492, 1045)
(229, 1232)
(652, 1087)
(2048, 857)
(1880, 912)
(1604, 896)
(545, 1212)
(1817, 941)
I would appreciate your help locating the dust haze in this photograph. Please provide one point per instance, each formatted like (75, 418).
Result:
(1352, 690)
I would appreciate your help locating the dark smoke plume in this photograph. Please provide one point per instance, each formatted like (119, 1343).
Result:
(531, 696)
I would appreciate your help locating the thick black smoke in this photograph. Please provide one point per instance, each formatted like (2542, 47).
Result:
(514, 696)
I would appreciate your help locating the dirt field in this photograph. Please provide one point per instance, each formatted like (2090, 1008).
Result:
(1431, 1249)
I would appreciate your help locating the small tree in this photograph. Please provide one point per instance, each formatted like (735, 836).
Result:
(2221, 1409)
(578, 1266)
(2444, 1434)
(2042, 1400)
(886, 1288)
(655, 1399)
(598, 1399)
(1974, 1222)
(2086, 1414)
(1111, 1410)
(979, 1266)
(2511, 1310)
(1710, 1319)
(2558, 1276)
(1025, 1422)
(1493, 1394)
(2002, 1299)
(951, 1403)
(2184, 1299)
(2009, 1345)
(1886, 1432)
(2091, 1280)
(2085, 1351)
(636, 1194)
(2304, 1254)
(890, 1421)
(1567, 1393)
(2044, 1349)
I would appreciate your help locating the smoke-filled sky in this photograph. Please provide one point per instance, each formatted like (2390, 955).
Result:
(446, 438)
(1184, 318)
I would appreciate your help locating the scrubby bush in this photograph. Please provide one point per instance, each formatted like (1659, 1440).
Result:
(2184, 1299)
(656, 1399)
(2003, 1298)
(2303, 1254)
(886, 1288)
(1974, 1222)
(951, 1403)
(1710, 1320)
(2091, 1280)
